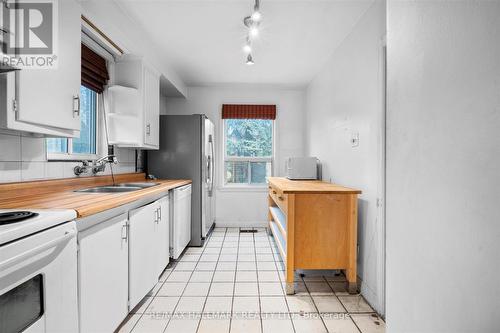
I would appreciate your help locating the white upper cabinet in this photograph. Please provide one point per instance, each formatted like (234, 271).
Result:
(151, 107)
(46, 101)
(134, 101)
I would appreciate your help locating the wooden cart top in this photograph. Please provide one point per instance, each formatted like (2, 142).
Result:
(286, 185)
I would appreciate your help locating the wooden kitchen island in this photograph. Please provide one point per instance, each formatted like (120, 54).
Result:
(314, 224)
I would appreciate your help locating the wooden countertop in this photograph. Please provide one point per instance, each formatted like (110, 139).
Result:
(59, 193)
(309, 186)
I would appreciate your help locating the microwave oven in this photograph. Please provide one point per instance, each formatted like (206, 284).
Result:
(302, 168)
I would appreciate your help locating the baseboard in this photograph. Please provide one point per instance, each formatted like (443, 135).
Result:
(240, 224)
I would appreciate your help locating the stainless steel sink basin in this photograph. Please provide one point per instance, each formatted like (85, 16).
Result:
(138, 184)
(110, 189)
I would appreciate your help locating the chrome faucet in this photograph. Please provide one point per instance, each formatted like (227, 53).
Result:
(100, 164)
(79, 169)
(96, 166)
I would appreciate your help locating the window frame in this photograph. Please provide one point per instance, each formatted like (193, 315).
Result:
(246, 186)
(69, 155)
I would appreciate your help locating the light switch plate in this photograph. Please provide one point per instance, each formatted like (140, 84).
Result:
(355, 139)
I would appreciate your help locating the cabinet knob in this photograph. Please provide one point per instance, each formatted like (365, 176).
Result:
(148, 129)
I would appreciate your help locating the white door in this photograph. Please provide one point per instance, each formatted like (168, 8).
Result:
(162, 234)
(143, 262)
(151, 107)
(103, 275)
(49, 96)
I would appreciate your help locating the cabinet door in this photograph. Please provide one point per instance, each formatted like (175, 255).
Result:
(163, 234)
(103, 275)
(151, 107)
(48, 96)
(143, 256)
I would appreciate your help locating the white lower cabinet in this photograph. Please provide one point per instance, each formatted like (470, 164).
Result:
(103, 275)
(119, 262)
(143, 255)
(162, 234)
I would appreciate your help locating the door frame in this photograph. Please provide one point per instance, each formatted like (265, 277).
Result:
(381, 200)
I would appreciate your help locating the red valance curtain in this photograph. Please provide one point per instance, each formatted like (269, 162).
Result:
(248, 111)
(94, 71)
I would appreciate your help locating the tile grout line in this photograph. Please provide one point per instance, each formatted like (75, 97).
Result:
(211, 280)
(279, 277)
(234, 282)
(316, 306)
(258, 285)
(183, 290)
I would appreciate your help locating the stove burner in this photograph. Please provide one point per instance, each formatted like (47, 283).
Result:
(13, 217)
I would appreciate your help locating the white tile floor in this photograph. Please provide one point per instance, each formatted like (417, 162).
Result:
(235, 283)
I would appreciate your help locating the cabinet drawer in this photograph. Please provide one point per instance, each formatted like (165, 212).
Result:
(279, 198)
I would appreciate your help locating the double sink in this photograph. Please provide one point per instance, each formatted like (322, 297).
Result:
(117, 188)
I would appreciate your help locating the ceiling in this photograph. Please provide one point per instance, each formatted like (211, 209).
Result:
(202, 39)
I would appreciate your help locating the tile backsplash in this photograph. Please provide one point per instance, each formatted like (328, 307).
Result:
(24, 157)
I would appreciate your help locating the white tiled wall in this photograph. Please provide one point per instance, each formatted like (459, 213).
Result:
(23, 157)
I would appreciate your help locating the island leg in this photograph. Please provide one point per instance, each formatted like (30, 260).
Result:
(290, 245)
(289, 285)
(351, 271)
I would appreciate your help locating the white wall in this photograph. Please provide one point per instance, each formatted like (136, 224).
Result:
(246, 207)
(23, 158)
(443, 162)
(346, 98)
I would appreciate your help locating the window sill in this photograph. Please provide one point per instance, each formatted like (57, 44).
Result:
(241, 188)
(54, 157)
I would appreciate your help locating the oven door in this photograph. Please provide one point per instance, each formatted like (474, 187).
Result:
(38, 282)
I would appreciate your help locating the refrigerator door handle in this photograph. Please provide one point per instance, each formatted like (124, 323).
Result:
(211, 165)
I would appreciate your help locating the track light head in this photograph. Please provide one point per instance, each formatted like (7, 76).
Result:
(249, 60)
(256, 16)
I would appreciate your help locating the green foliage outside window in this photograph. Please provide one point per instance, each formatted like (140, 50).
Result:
(247, 140)
(249, 137)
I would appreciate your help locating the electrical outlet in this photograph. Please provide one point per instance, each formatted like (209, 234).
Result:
(355, 139)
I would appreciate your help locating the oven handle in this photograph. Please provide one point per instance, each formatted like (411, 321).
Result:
(20, 257)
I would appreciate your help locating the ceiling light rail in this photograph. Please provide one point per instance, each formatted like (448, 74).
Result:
(252, 22)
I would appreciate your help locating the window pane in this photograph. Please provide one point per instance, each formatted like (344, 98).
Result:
(259, 172)
(86, 143)
(57, 145)
(249, 137)
(236, 172)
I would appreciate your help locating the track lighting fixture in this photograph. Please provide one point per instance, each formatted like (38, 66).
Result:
(252, 22)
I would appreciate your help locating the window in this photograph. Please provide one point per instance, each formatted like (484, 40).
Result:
(86, 144)
(248, 145)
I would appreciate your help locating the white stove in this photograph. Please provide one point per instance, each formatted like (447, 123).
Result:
(38, 271)
(41, 219)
